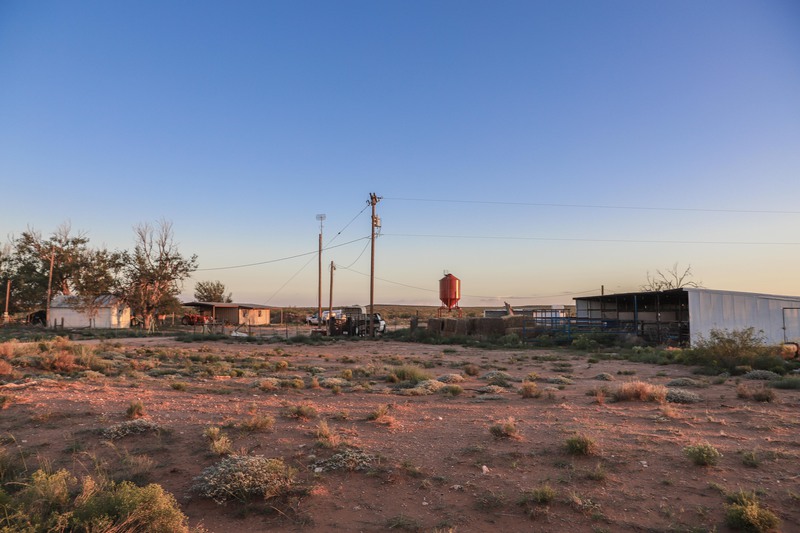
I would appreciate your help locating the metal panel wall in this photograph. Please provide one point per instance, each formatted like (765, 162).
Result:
(737, 310)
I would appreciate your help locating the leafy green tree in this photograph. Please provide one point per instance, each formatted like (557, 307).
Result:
(29, 265)
(211, 291)
(100, 276)
(154, 271)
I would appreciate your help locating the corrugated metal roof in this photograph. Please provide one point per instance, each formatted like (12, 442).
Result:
(226, 305)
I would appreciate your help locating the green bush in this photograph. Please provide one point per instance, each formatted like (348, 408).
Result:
(52, 502)
(703, 454)
(736, 351)
(746, 514)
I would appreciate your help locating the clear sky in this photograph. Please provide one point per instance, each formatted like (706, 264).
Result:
(535, 149)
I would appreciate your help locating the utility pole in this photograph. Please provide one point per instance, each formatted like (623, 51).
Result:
(321, 218)
(8, 295)
(330, 298)
(49, 287)
(376, 223)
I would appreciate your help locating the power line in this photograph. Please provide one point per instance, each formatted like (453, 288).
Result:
(600, 206)
(282, 258)
(583, 239)
(425, 289)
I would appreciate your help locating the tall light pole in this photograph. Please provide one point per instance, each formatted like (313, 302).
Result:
(376, 223)
(321, 218)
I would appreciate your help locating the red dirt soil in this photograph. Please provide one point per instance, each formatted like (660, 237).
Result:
(438, 466)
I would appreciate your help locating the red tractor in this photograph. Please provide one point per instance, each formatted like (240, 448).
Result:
(194, 320)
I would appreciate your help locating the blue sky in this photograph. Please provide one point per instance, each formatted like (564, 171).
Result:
(534, 149)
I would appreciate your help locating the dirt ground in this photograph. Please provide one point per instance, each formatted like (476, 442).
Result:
(436, 466)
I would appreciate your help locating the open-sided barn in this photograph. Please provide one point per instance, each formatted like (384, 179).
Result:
(234, 314)
(688, 314)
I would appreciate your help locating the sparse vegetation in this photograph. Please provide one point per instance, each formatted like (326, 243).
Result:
(505, 429)
(702, 454)
(581, 445)
(242, 477)
(745, 513)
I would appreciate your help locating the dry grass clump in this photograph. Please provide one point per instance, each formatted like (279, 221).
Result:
(135, 410)
(759, 394)
(452, 390)
(219, 443)
(505, 429)
(640, 391)
(327, 437)
(242, 477)
(5, 368)
(258, 422)
(301, 412)
(381, 416)
(529, 389)
(411, 373)
(604, 376)
(540, 496)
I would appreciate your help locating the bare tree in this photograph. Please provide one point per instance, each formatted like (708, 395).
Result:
(156, 270)
(670, 278)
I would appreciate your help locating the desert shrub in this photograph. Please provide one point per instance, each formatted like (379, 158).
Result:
(451, 378)
(5, 368)
(50, 502)
(604, 376)
(135, 410)
(786, 383)
(529, 389)
(471, 370)
(258, 422)
(452, 390)
(327, 437)
(746, 514)
(641, 391)
(702, 454)
(682, 396)
(686, 382)
(759, 394)
(302, 412)
(583, 342)
(727, 350)
(126, 507)
(581, 445)
(219, 443)
(242, 477)
(410, 373)
(179, 385)
(765, 375)
(505, 429)
(349, 459)
(539, 496)
(131, 427)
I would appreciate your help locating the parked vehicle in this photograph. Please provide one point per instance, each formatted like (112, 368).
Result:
(194, 319)
(312, 320)
(358, 325)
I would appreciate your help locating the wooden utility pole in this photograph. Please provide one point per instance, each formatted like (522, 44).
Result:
(321, 218)
(330, 297)
(49, 287)
(8, 295)
(376, 223)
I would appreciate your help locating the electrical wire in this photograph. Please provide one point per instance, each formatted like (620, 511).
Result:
(425, 289)
(281, 258)
(598, 206)
(580, 239)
